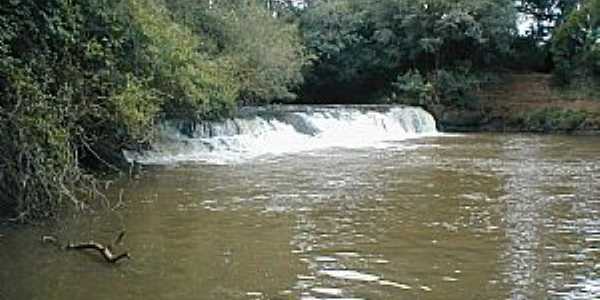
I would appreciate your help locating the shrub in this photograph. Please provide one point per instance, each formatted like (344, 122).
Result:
(576, 45)
(80, 81)
(456, 88)
(411, 89)
(192, 84)
(554, 119)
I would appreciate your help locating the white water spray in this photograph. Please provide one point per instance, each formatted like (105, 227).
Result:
(289, 130)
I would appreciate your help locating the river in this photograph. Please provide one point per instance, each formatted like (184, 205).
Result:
(433, 216)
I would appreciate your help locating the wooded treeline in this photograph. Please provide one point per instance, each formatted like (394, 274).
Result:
(80, 80)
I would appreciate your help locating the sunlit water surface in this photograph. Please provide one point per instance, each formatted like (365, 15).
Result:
(452, 217)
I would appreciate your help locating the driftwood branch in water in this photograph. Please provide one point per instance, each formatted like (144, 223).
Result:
(104, 250)
(49, 239)
(119, 238)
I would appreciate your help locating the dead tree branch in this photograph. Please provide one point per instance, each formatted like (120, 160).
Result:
(104, 250)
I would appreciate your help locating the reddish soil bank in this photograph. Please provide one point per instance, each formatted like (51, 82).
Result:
(523, 92)
(525, 102)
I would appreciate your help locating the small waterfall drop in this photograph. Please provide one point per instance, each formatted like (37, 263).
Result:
(288, 129)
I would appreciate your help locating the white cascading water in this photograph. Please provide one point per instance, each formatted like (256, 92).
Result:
(285, 130)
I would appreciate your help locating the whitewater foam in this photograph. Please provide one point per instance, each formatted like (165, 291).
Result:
(282, 131)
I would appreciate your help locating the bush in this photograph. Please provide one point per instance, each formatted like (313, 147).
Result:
(38, 161)
(576, 46)
(453, 88)
(192, 84)
(411, 89)
(554, 119)
(456, 88)
(529, 55)
(80, 81)
(265, 54)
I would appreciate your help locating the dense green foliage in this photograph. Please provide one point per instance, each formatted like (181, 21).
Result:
(552, 120)
(80, 80)
(366, 44)
(57, 100)
(441, 52)
(576, 45)
(562, 38)
(266, 52)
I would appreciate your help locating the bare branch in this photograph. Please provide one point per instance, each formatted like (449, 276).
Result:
(104, 251)
(119, 238)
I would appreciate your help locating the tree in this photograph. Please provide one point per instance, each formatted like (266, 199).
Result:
(576, 44)
(369, 43)
(545, 15)
(266, 51)
(192, 83)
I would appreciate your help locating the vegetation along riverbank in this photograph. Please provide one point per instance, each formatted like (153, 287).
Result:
(81, 80)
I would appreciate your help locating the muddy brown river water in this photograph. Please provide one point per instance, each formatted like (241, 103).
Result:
(448, 217)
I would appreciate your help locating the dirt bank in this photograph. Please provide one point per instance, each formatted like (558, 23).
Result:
(524, 103)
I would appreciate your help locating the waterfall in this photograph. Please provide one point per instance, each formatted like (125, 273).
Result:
(287, 129)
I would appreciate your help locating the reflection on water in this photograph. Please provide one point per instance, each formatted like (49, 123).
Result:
(462, 217)
(525, 203)
(551, 210)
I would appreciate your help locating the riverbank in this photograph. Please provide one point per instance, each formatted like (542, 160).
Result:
(525, 103)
